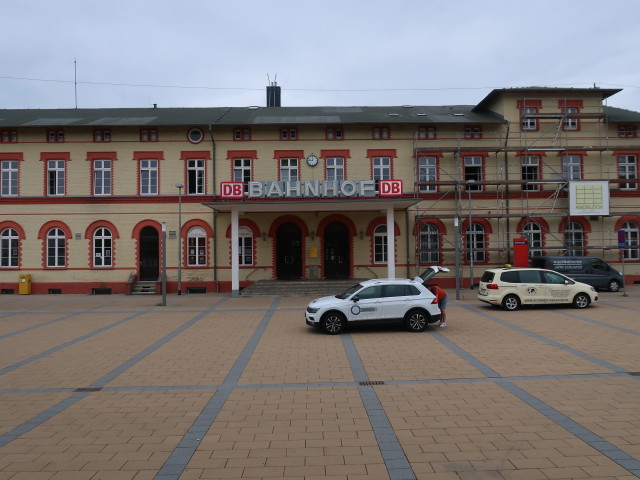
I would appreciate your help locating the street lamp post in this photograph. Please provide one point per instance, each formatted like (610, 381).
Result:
(179, 186)
(164, 264)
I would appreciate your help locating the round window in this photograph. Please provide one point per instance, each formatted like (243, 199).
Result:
(195, 135)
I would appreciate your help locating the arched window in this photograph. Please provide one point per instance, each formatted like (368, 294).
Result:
(476, 243)
(9, 243)
(197, 247)
(245, 246)
(533, 232)
(380, 244)
(574, 239)
(632, 246)
(56, 248)
(429, 244)
(102, 247)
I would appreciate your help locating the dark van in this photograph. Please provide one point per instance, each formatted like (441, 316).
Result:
(590, 270)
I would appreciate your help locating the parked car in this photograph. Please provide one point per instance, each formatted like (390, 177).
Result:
(513, 287)
(590, 270)
(378, 301)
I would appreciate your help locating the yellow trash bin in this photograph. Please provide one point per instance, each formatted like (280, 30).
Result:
(24, 286)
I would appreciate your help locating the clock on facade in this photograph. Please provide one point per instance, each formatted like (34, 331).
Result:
(312, 160)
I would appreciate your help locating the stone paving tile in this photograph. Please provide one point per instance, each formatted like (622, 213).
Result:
(513, 353)
(292, 352)
(16, 348)
(107, 432)
(79, 365)
(293, 432)
(608, 407)
(478, 428)
(203, 354)
(17, 408)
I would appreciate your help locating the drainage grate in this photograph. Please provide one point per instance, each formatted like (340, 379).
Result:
(634, 374)
(88, 389)
(371, 382)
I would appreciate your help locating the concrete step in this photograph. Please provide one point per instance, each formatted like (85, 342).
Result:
(297, 288)
(144, 288)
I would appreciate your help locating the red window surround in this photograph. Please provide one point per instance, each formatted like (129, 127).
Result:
(299, 154)
(91, 156)
(346, 154)
(138, 156)
(44, 158)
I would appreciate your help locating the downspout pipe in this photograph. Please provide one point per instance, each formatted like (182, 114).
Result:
(214, 215)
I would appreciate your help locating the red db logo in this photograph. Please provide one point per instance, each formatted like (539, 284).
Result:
(390, 188)
(231, 189)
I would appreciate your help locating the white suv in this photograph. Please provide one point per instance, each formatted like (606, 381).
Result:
(512, 287)
(380, 300)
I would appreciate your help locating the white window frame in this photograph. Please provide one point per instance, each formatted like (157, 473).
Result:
(196, 247)
(56, 248)
(242, 171)
(195, 176)
(473, 165)
(380, 245)
(102, 177)
(428, 172)
(429, 244)
(530, 171)
(102, 248)
(628, 166)
(529, 123)
(631, 250)
(572, 167)
(476, 239)
(574, 239)
(335, 168)
(148, 176)
(533, 231)
(9, 178)
(571, 123)
(9, 248)
(381, 167)
(245, 246)
(55, 177)
(289, 169)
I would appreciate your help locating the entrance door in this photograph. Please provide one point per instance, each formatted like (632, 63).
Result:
(336, 251)
(289, 252)
(149, 254)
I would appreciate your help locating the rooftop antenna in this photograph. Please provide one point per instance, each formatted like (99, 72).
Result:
(75, 80)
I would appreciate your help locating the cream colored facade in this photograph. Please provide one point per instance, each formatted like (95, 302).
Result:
(434, 151)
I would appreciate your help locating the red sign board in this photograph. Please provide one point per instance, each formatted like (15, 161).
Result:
(390, 188)
(232, 189)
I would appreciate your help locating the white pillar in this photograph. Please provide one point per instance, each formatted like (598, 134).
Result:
(391, 257)
(235, 267)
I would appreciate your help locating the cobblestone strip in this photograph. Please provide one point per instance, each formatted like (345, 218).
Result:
(559, 345)
(179, 458)
(614, 453)
(395, 460)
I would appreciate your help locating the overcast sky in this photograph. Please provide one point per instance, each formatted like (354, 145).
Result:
(212, 53)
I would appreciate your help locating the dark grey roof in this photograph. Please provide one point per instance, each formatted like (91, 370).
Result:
(620, 115)
(407, 114)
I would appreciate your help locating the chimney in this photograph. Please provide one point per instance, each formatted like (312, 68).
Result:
(273, 95)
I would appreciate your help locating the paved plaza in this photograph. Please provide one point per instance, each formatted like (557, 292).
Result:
(213, 386)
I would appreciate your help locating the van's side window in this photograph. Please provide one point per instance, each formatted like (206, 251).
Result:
(510, 277)
(599, 264)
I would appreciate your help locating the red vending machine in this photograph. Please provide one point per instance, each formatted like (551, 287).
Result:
(520, 252)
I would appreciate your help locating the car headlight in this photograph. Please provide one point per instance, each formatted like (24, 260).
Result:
(593, 289)
(312, 310)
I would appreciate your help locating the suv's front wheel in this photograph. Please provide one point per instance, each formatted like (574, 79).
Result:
(416, 320)
(333, 323)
